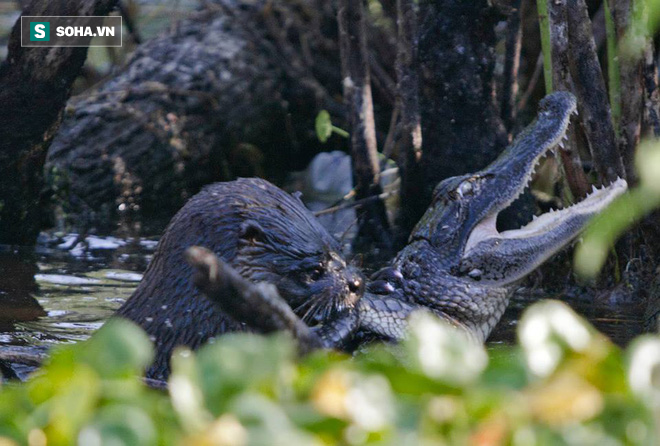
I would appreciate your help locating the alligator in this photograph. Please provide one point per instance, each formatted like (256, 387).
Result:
(456, 264)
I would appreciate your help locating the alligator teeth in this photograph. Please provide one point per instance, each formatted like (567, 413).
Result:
(561, 144)
(593, 203)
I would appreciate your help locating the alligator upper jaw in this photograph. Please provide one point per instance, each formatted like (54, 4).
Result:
(507, 177)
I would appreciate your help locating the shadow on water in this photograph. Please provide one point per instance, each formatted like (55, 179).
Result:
(17, 288)
(66, 287)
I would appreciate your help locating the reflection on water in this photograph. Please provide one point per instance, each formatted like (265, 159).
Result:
(617, 312)
(65, 288)
(17, 288)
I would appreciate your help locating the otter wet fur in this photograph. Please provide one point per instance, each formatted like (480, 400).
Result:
(262, 232)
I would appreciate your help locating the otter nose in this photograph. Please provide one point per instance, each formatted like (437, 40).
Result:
(355, 285)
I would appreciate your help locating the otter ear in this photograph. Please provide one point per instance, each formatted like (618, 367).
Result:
(298, 196)
(251, 231)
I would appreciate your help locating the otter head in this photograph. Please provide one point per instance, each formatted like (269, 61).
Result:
(281, 242)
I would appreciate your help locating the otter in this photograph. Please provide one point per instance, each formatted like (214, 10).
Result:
(265, 234)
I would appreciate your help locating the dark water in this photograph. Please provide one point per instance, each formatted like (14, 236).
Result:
(65, 288)
(618, 315)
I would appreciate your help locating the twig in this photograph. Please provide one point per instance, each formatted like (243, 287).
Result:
(392, 132)
(337, 208)
(511, 65)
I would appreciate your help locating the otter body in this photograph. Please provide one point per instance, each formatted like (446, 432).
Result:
(262, 232)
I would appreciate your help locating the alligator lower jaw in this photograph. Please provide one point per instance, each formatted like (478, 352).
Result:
(595, 202)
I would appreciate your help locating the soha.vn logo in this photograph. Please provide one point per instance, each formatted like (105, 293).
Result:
(39, 31)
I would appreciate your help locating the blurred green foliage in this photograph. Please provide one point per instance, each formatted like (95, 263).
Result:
(600, 236)
(607, 227)
(565, 384)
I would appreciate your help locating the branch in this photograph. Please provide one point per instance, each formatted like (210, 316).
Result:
(561, 80)
(257, 305)
(357, 96)
(592, 94)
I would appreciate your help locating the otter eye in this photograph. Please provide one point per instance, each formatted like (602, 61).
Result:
(316, 273)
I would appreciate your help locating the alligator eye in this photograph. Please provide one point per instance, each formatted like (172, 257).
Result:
(475, 274)
(465, 188)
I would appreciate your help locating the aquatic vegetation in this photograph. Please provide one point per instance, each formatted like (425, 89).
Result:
(565, 384)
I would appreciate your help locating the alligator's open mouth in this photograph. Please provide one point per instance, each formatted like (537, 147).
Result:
(596, 201)
(509, 255)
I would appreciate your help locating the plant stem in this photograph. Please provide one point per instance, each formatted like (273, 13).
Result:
(340, 132)
(613, 73)
(546, 48)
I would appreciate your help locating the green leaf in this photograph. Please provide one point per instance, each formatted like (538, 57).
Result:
(119, 424)
(323, 126)
(118, 348)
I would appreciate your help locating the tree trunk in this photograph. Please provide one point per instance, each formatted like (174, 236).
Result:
(631, 67)
(35, 84)
(412, 186)
(561, 80)
(462, 128)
